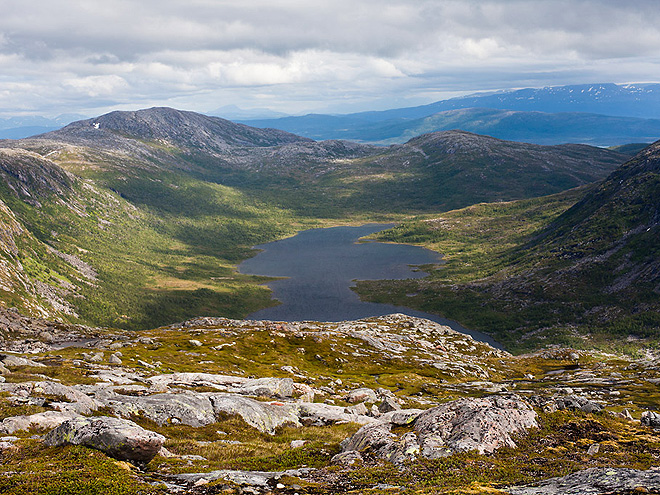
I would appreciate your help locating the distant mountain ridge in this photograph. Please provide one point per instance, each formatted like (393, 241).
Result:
(601, 114)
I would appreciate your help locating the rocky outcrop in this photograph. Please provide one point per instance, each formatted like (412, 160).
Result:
(44, 420)
(265, 417)
(118, 438)
(596, 481)
(184, 408)
(466, 424)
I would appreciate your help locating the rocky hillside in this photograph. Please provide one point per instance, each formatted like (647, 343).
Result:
(590, 274)
(379, 405)
(452, 169)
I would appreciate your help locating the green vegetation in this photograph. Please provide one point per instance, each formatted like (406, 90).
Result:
(537, 271)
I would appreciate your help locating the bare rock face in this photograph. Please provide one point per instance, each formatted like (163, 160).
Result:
(118, 438)
(47, 419)
(187, 408)
(596, 481)
(263, 416)
(483, 425)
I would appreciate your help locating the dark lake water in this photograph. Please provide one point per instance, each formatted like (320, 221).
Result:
(322, 264)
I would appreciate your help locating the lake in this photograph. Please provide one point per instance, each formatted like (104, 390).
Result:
(321, 266)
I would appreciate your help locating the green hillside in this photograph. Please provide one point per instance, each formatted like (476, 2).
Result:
(527, 272)
(161, 205)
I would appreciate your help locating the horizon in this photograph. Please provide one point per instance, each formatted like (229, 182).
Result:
(311, 57)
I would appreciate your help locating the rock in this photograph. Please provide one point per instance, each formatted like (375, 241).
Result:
(263, 416)
(401, 417)
(119, 438)
(483, 425)
(2, 379)
(358, 408)
(297, 443)
(11, 360)
(376, 438)
(346, 459)
(114, 359)
(3, 370)
(593, 449)
(184, 408)
(195, 343)
(361, 395)
(325, 414)
(388, 405)
(268, 387)
(97, 358)
(595, 481)
(44, 420)
(651, 418)
(80, 402)
(261, 479)
(578, 403)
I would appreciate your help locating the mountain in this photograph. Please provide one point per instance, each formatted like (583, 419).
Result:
(612, 234)
(604, 114)
(22, 127)
(530, 127)
(573, 267)
(160, 204)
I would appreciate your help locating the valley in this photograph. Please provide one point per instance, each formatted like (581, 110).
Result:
(125, 353)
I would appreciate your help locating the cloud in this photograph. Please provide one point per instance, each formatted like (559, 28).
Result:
(70, 55)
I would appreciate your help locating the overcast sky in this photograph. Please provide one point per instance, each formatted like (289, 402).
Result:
(294, 56)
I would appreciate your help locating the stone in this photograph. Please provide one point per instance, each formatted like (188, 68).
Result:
(97, 358)
(114, 359)
(43, 420)
(119, 438)
(297, 443)
(261, 479)
(79, 403)
(346, 459)
(268, 387)
(3, 370)
(361, 395)
(325, 414)
(195, 343)
(388, 405)
(651, 418)
(263, 416)
(593, 449)
(595, 481)
(184, 408)
(11, 360)
(577, 403)
(483, 425)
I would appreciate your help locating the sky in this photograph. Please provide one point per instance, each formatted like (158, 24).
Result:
(302, 56)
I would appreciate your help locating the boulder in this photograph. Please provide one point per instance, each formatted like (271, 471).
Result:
(188, 408)
(267, 387)
(263, 416)
(578, 403)
(316, 414)
(119, 438)
(361, 395)
(595, 481)
(466, 424)
(651, 418)
(79, 402)
(44, 420)
(11, 360)
(484, 425)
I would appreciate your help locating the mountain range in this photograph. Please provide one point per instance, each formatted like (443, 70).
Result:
(599, 114)
(158, 205)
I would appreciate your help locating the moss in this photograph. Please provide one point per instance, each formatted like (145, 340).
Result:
(33, 469)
